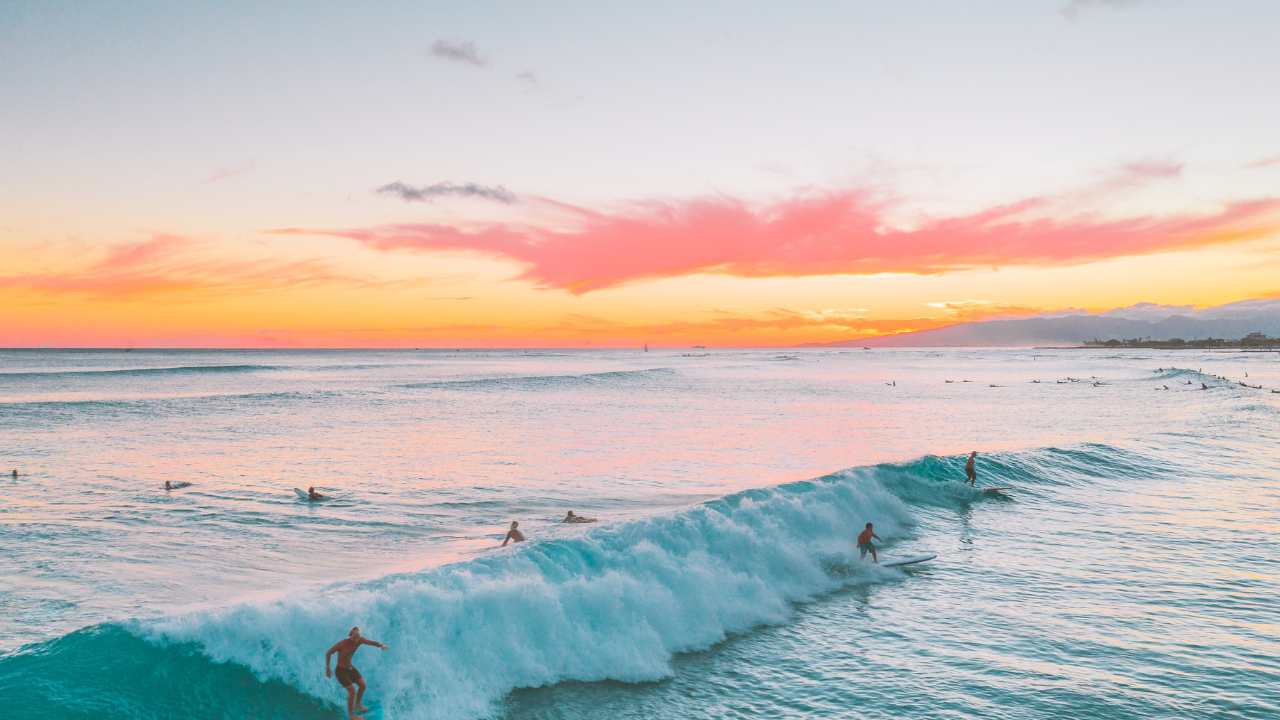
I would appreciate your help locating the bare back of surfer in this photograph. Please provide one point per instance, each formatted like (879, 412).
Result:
(969, 471)
(348, 676)
(513, 535)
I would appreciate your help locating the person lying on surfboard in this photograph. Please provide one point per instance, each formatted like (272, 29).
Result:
(864, 543)
(313, 495)
(969, 471)
(348, 676)
(513, 535)
(571, 518)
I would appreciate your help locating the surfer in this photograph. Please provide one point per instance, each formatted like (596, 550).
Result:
(513, 535)
(969, 471)
(15, 473)
(571, 518)
(864, 543)
(313, 495)
(348, 676)
(168, 485)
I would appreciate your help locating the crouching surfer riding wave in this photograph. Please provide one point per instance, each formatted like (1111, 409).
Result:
(348, 676)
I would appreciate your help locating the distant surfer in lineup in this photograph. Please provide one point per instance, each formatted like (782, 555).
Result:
(571, 518)
(865, 546)
(513, 535)
(15, 473)
(313, 495)
(969, 471)
(348, 676)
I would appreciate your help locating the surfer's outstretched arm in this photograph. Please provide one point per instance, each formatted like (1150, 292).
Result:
(375, 643)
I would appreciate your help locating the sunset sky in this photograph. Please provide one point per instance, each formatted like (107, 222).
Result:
(483, 174)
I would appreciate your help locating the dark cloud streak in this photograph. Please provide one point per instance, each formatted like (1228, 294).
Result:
(427, 193)
(462, 51)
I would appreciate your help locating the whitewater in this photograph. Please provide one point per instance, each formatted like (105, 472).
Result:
(1129, 571)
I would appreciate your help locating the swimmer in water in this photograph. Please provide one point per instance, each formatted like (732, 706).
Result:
(513, 535)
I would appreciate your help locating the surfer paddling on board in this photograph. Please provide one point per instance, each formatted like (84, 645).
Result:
(513, 535)
(969, 471)
(864, 543)
(313, 495)
(348, 676)
(572, 518)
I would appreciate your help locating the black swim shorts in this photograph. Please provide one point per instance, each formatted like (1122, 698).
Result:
(347, 675)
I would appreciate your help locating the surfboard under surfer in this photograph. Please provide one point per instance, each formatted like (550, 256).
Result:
(865, 545)
(348, 676)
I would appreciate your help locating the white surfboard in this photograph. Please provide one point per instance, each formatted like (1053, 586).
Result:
(909, 561)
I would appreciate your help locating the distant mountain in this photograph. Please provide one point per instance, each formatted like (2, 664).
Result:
(1145, 320)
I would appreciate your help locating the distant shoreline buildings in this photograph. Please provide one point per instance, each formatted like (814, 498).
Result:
(1252, 341)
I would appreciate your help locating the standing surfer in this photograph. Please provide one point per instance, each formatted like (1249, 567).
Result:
(864, 543)
(969, 471)
(348, 675)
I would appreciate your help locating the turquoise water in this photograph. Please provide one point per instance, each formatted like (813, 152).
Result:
(1130, 571)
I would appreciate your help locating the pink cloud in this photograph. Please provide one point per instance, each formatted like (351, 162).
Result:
(1266, 162)
(1143, 170)
(845, 232)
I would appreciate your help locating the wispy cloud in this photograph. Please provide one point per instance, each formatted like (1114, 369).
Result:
(1266, 162)
(1144, 170)
(228, 172)
(968, 310)
(459, 51)
(167, 265)
(1073, 8)
(842, 232)
(427, 193)
(527, 76)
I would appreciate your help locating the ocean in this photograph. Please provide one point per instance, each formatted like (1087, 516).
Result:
(1130, 570)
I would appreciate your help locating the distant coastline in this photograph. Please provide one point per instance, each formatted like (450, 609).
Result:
(1252, 341)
